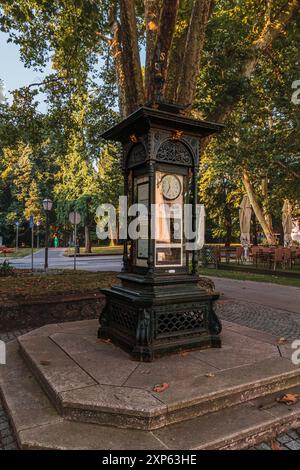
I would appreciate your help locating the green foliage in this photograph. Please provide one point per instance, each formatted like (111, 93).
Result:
(61, 153)
(6, 269)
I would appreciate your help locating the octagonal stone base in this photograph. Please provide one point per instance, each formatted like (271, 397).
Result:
(66, 389)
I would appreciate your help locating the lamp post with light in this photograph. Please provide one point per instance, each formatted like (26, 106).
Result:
(47, 205)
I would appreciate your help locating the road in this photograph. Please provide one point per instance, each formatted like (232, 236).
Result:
(270, 295)
(57, 260)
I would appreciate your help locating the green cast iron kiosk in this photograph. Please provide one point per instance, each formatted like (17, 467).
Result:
(159, 306)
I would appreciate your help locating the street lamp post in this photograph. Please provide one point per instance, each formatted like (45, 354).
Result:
(47, 205)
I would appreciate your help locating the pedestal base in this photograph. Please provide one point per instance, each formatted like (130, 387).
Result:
(149, 320)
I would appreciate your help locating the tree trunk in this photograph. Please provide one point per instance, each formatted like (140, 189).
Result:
(228, 224)
(134, 91)
(152, 10)
(193, 52)
(160, 58)
(87, 240)
(111, 236)
(257, 209)
(265, 194)
(254, 229)
(117, 55)
(173, 72)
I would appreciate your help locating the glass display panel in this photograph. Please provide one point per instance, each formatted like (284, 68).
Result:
(141, 196)
(169, 220)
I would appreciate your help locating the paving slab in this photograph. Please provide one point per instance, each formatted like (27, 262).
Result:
(271, 405)
(206, 394)
(85, 327)
(79, 343)
(108, 368)
(44, 330)
(199, 382)
(174, 370)
(227, 424)
(117, 406)
(27, 403)
(250, 332)
(237, 350)
(81, 436)
(54, 369)
(214, 430)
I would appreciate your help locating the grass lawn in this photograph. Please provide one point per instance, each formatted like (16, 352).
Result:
(100, 250)
(249, 276)
(18, 254)
(251, 267)
(40, 285)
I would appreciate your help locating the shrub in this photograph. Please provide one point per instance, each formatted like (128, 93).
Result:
(6, 269)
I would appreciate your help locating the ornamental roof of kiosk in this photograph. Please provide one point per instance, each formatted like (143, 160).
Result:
(144, 118)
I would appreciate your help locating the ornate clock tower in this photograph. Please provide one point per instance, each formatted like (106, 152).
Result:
(159, 306)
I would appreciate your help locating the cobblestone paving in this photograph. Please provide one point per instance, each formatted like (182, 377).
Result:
(278, 323)
(7, 438)
(10, 336)
(288, 441)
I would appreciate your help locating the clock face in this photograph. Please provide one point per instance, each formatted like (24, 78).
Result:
(171, 187)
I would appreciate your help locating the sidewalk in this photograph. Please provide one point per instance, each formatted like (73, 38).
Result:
(270, 295)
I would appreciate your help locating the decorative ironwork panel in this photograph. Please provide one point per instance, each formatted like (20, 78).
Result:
(182, 321)
(123, 316)
(173, 151)
(136, 156)
(194, 144)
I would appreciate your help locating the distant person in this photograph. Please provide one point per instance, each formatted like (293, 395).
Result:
(56, 242)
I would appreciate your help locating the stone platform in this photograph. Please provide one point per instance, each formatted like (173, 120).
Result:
(65, 389)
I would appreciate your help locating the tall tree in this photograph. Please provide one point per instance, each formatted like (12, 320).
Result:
(191, 45)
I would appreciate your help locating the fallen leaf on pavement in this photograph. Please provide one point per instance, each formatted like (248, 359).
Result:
(210, 374)
(288, 399)
(281, 340)
(275, 446)
(160, 388)
(103, 340)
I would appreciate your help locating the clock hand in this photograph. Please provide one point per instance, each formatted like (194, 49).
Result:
(169, 187)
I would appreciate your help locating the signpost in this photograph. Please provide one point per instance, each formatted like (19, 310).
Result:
(75, 218)
(31, 225)
(17, 234)
(38, 235)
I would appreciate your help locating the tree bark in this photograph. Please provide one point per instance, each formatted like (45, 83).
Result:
(152, 14)
(173, 71)
(201, 12)
(228, 224)
(134, 91)
(270, 32)
(160, 58)
(257, 208)
(87, 240)
(117, 55)
(254, 229)
(265, 194)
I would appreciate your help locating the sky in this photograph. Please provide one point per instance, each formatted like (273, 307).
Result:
(15, 75)
(12, 70)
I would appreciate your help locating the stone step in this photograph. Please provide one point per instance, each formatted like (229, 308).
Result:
(38, 425)
(86, 395)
